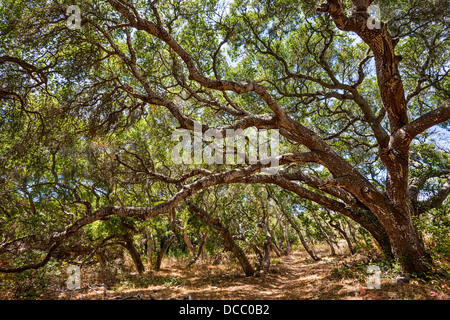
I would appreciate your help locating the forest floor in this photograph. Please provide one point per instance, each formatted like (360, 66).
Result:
(293, 277)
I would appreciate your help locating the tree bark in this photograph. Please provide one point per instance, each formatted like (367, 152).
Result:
(163, 252)
(294, 225)
(284, 228)
(347, 238)
(177, 226)
(286, 238)
(359, 212)
(407, 246)
(325, 234)
(350, 230)
(274, 244)
(393, 208)
(266, 249)
(135, 256)
(201, 247)
(259, 255)
(340, 229)
(267, 241)
(305, 245)
(149, 250)
(227, 237)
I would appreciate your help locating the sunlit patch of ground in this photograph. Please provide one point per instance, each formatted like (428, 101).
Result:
(293, 277)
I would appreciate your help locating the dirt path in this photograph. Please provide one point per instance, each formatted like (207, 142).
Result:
(294, 277)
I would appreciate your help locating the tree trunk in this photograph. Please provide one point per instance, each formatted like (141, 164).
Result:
(393, 212)
(266, 249)
(201, 246)
(284, 228)
(232, 246)
(263, 257)
(227, 238)
(258, 255)
(341, 230)
(392, 207)
(325, 234)
(305, 245)
(407, 247)
(347, 238)
(177, 226)
(149, 245)
(286, 238)
(350, 230)
(188, 242)
(333, 238)
(163, 252)
(275, 246)
(267, 242)
(127, 243)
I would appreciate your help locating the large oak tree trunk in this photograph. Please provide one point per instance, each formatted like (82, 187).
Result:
(407, 246)
(393, 207)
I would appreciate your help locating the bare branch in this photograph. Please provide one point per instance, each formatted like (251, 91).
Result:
(437, 199)
(426, 121)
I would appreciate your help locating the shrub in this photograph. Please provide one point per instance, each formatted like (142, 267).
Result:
(29, 284)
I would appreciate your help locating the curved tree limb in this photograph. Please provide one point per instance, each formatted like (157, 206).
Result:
(57, 238)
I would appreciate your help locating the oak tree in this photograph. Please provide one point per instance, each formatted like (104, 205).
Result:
(87, 113)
